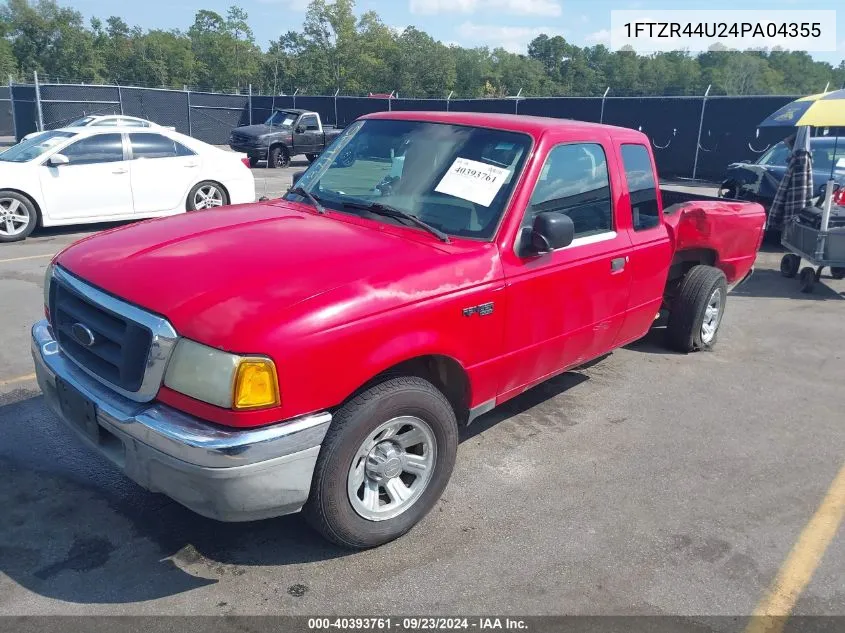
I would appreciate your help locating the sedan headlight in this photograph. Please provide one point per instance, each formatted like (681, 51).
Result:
(222, 379)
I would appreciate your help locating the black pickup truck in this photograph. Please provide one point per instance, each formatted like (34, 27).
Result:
(287, 133)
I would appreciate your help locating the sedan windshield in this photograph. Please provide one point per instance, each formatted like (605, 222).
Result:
(34, 147)
(281, 118)
(454, 178)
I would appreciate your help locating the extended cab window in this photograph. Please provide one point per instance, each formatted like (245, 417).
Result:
(102, 148)
(156, 146)
(641, 186)
(574, 181)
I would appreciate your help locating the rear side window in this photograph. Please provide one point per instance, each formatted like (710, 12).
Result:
(102, 148)
(156, 146)
(574, 181)
(641, 186)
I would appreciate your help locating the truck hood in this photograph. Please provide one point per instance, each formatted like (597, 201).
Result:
(259, 129)
(216, 275)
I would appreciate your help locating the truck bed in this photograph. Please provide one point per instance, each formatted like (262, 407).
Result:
(731, 228)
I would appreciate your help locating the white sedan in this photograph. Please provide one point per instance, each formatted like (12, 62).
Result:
(94, 174)
(105, 120)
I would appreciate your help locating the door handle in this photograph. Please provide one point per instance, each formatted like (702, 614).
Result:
(121, 170)
(618, 264)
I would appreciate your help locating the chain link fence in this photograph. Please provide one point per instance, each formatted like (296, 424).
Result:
(691, 136)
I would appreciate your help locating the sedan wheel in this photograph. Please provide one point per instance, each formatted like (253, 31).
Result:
(207, 195)
(17, 217)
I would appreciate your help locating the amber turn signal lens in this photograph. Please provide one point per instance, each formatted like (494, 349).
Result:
(256, 384)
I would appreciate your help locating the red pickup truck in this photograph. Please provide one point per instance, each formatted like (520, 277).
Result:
(319, 351)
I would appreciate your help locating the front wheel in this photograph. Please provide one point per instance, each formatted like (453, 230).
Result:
(18, 216)
(697, 310)
(383, 464)
(278, 157)
(207, 195)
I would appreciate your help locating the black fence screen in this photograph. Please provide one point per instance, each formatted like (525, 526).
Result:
(728, 129)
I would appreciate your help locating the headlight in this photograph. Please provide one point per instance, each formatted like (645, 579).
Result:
(48, 278)
(222, 379)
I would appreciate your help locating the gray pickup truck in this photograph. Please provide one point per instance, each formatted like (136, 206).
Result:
(287, 133)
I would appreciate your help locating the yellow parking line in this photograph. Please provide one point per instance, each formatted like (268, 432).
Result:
(771, 614)
(20, 259)
(12, 381)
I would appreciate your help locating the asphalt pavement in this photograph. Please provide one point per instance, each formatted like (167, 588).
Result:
(647, 483)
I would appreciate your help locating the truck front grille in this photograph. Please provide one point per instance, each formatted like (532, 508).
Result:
(120, 347)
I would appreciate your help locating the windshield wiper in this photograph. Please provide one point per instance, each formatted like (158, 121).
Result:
(380, 208)
(302, 191)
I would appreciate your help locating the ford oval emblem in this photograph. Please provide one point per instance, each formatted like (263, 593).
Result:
(82, 334)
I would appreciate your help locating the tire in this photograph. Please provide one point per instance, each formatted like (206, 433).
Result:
(207, 195)
(18, 217)
(789, 265)
(837, 272)
(311, 157)
(349, 446)
(693, 307)
(729, 189)
(253, 161)
(279, 157)
(807, 278)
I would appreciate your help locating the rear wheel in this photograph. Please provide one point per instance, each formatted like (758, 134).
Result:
(789, 265)
(18, 216)
(383, 464)
(207, 195)
(278, 157)
(697, 310)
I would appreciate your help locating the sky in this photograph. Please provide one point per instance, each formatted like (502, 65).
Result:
(507, 23)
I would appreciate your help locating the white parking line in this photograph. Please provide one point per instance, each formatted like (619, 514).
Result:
(20, 259)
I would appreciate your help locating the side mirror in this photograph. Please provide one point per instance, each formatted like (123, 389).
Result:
(296, 176)
(300, 129)
(57, 159)
(551, 230)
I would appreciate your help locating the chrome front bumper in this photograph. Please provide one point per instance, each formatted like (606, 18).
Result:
(225, 474)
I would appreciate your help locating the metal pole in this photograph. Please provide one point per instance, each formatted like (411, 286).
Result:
(190, 122)
(700, 127)
(516, 102)
(335, 107)
(390, 101)
(12, 104)
(250, 104)
(38, 102)
(827, 85)
(294, 97)
(603, 99)
(120, 98)
(449, 98)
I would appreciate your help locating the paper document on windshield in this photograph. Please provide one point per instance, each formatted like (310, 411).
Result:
(473, 181)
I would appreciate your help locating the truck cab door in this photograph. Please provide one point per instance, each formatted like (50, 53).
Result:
(652, 250)
(567, 306)
(307, 135)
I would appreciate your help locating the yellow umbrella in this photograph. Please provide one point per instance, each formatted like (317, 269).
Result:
(826, 109)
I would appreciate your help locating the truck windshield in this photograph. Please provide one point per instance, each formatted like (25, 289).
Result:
(34, 147)
(281, 119)
(454, 178)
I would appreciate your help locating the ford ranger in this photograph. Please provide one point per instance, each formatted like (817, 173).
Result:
(318, 352)
(285, 134)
